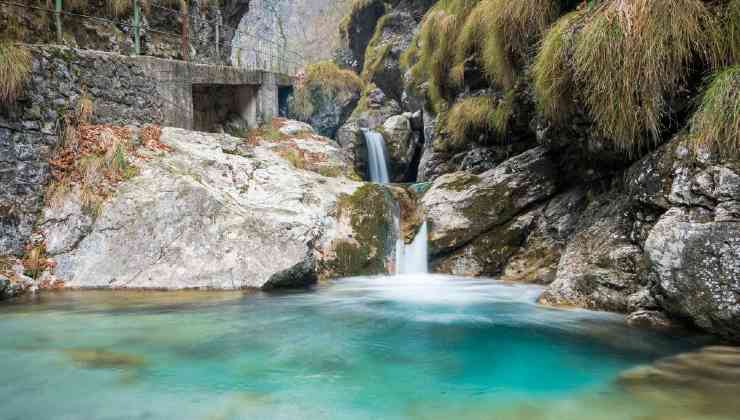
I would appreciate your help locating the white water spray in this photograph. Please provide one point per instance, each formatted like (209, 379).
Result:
(376, 156)
(412, 258)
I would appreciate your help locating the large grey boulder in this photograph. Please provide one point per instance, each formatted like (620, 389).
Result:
(694, 257)
(402, 144)
(461, 206)
(217, 213)
(601, 267)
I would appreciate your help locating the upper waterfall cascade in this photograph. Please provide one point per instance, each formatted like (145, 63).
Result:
(376, 156)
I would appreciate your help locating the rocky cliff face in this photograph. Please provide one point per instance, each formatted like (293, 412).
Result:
(645, 227)
(107, 30)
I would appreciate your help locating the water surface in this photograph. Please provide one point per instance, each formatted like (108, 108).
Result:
(407, 347)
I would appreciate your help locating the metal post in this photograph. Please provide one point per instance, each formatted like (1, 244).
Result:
(58, 19)
(137, 28)
(185, 36)
(218, 37)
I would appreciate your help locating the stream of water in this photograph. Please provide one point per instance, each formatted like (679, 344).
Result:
(401, 347)
(413, 257)
(376, 157)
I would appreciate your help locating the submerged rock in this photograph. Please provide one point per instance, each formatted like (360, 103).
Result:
(214, 212)
(99, 358)
(704, 382)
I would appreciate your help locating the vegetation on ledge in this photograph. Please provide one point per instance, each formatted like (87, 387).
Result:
(716, 124)
(628, 63)
(323, 82)
(493, 36)
(472, 117)
(15, 69)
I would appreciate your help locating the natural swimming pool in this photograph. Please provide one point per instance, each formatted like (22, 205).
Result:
(404, 347)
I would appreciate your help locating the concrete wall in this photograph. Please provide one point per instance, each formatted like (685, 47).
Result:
(219, 107)
(126, 91)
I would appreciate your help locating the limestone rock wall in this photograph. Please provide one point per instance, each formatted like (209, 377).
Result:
(122, 93)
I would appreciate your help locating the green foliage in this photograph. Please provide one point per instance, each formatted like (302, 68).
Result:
(551, 71)
(732, 30)
(474, 116)
(716, 124)
(15, 69)
(323, 81)
(375, 52)
(626, 60)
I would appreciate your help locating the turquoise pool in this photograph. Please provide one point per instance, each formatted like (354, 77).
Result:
(410, 347)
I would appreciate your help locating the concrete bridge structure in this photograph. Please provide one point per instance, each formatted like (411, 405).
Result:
(202, 97)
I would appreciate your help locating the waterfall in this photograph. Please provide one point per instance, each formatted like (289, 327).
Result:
(377, 162)
(412, 258)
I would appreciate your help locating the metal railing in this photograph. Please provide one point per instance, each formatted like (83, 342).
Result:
(247, 50)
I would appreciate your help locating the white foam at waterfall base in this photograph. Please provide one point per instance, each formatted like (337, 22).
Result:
(376, 156)
(412, 258)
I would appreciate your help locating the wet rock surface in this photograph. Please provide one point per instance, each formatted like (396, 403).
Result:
(461, 206)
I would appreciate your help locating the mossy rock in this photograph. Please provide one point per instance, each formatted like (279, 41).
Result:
(369, 213)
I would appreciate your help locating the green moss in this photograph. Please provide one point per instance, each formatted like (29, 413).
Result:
(716, 123)
(461, 182)
(358, 8)
(330, 171)
(368, 209)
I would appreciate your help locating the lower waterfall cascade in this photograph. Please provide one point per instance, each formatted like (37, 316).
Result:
(413, 257)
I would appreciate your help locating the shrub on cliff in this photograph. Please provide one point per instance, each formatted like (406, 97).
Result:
(472, 117)
(625, 61)
(495, 36)
(15, 69)
(324, 96)
(732, 30)
(716, 123)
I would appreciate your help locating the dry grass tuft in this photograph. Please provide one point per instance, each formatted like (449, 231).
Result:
(732, 30)
(473, 117)
(551, 73)
(627, 58)
(716, 124)
(497, 35)
(15, 70)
